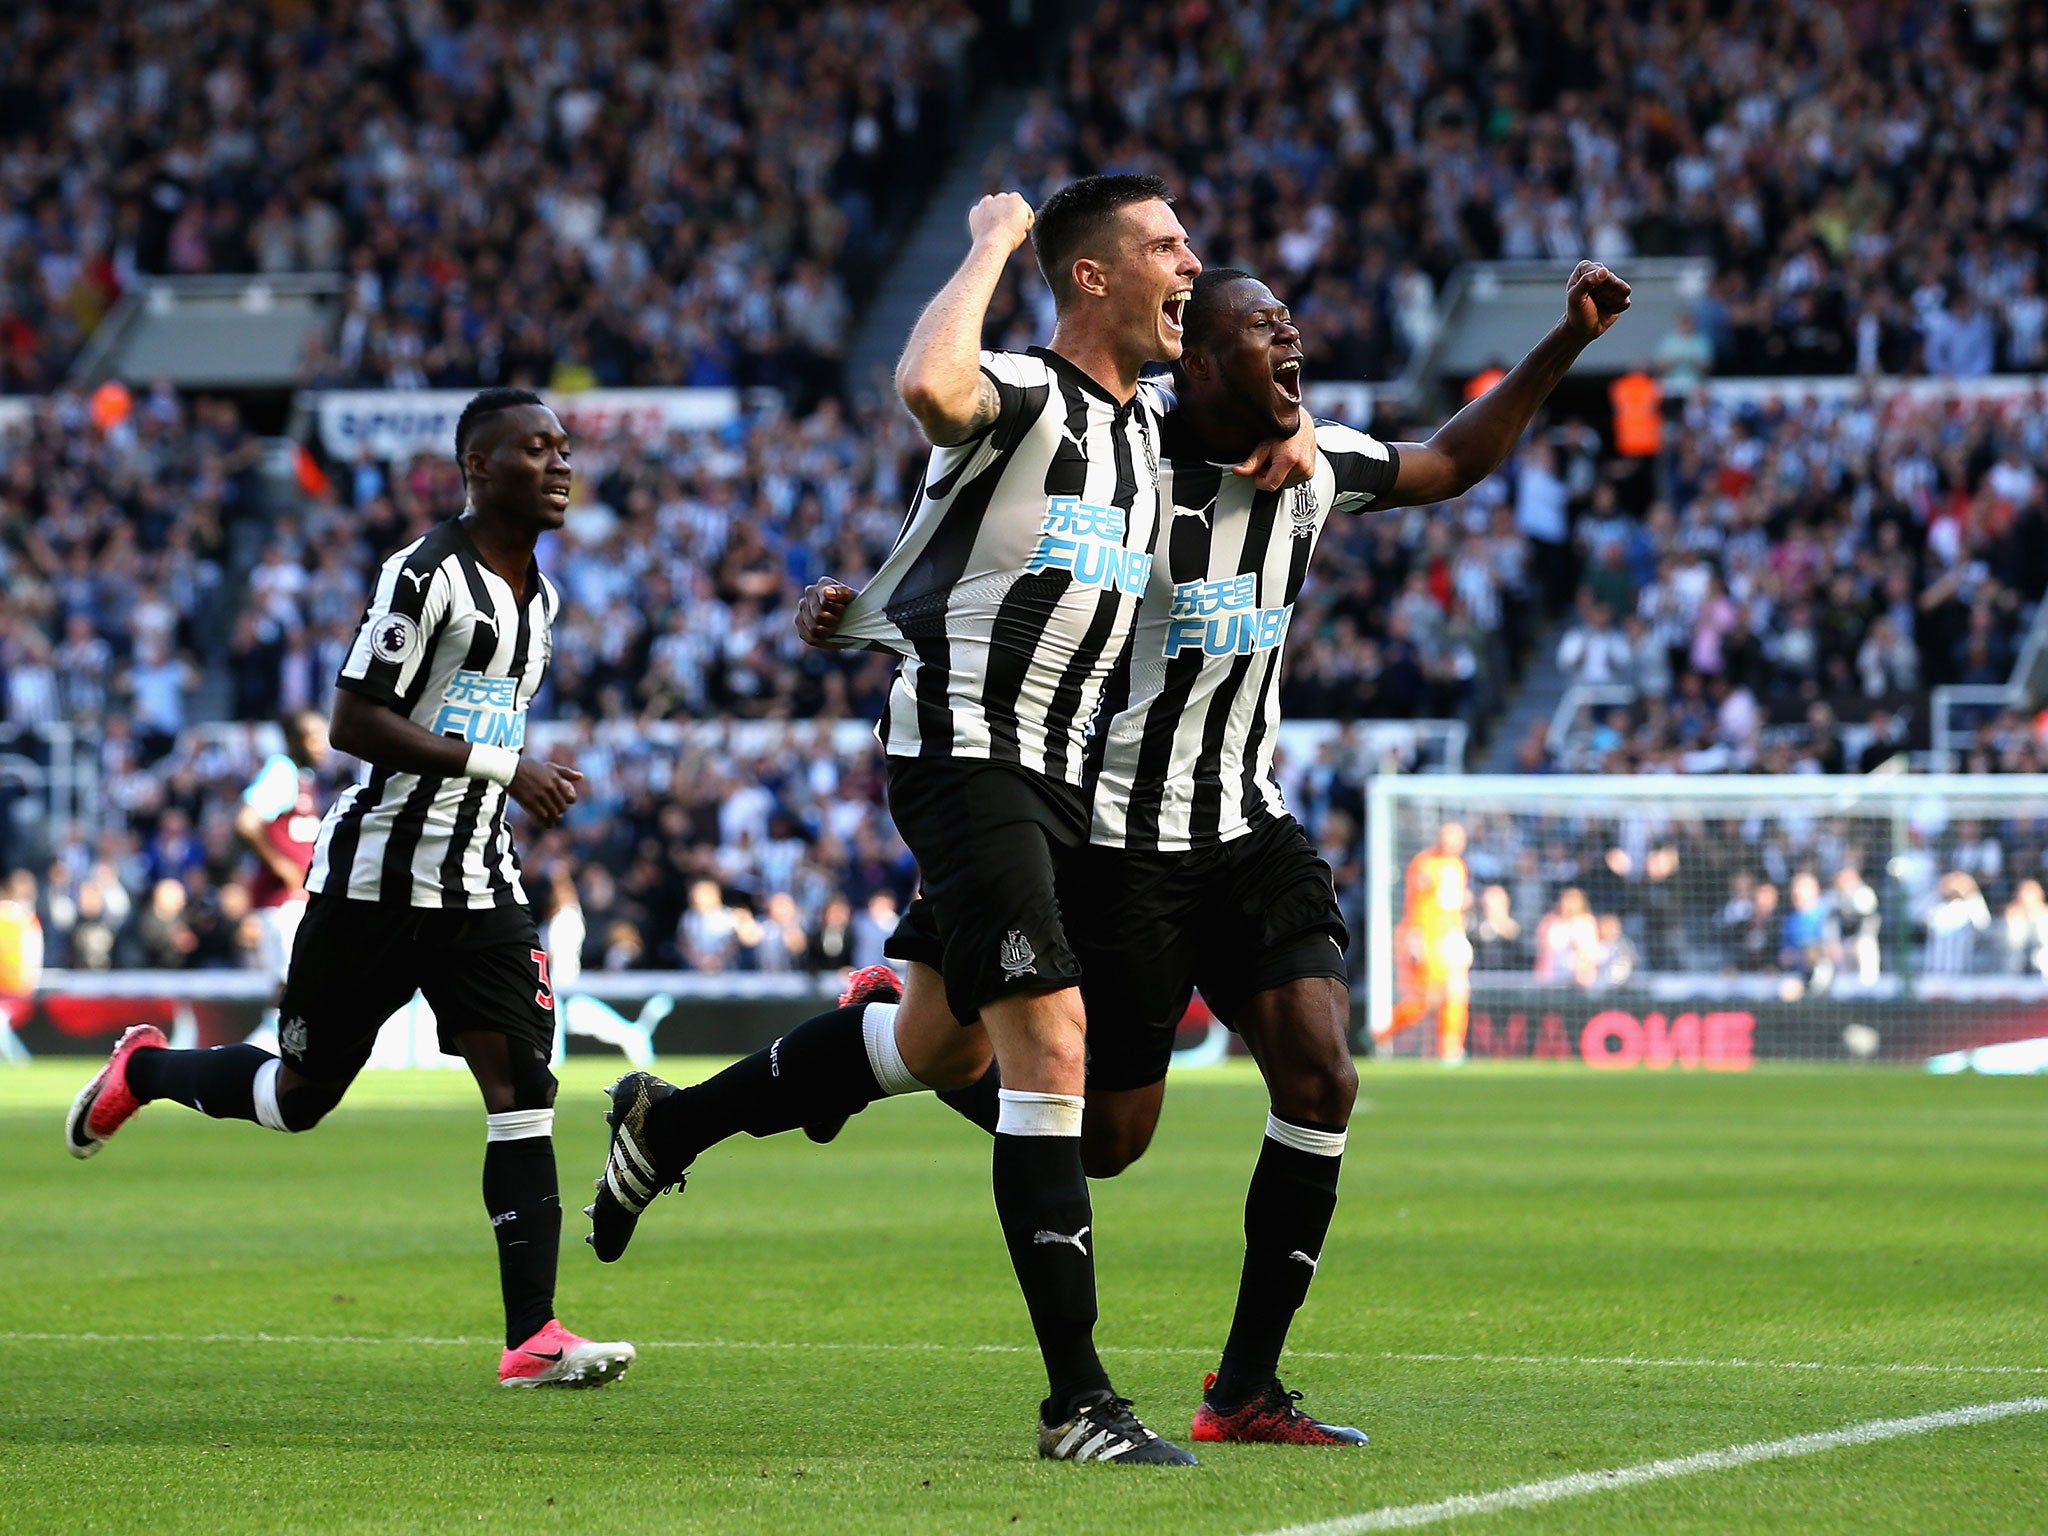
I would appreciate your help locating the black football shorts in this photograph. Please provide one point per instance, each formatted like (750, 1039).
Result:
(990, 840)
(1235, 920)
(355, 963)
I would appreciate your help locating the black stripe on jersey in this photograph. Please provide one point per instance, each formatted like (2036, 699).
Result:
(1361, 472)
(1109, 603)
(483, 645)
(931, 578)
(498, 841)
(1028, 607)
(410, 824)
(409, 590)
(1205, 810)
(1256, 812)
(348, 831)
(1186, 548)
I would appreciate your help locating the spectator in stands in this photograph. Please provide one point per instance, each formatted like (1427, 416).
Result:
(707, 936)
(1957, 917)
(1804, 950)
(1593, 651)
(2023, 931)
(1856, 921)
(1567, 941)
(1497, 943)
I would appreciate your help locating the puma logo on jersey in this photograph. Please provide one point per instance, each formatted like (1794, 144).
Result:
(1298, 1254)
(419, 579)
(1042, 1236)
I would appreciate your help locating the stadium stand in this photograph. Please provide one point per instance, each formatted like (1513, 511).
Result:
(628, 201)
(675, 194)
(1869, 180)
(1811, 563)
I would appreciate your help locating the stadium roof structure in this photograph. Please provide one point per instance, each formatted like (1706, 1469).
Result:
(212, 332)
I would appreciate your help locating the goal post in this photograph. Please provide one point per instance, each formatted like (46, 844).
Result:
(1710, 921)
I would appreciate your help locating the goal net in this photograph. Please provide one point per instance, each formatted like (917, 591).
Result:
(1710, 922)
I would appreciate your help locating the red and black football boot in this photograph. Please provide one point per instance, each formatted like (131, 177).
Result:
(869, 984)
(1268, 1419)
(104, 1104)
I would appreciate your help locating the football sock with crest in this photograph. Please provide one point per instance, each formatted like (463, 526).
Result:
(524, 1202)
(1287, 1215)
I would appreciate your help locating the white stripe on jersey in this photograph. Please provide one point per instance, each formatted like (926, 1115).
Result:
(1011, 589)
(448, 644)
(1187, 762)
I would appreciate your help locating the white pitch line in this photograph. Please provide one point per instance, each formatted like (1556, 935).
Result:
(1529, 1495)
(924, 1348)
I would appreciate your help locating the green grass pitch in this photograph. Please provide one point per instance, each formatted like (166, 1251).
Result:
(1534, 1272)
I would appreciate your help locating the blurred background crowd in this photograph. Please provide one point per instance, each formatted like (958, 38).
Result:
(709, 193)
(1808, 903)
(1869, 179)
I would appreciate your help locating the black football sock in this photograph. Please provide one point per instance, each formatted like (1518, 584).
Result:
(525, 1207)
(220, 1082)
(817, 1071)
(1286, 1217)
(979, 1102)
(1042, 1201)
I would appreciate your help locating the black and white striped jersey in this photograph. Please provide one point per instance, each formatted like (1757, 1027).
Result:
(1187, 759)
(450, 645)
(1012, 586)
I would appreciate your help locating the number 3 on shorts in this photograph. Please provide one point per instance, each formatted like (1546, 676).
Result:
(545, 996)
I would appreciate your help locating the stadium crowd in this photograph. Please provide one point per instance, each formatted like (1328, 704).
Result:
(679, 570)
(666, 195)
(1870, 180)
(1810, 564)
(690, 193)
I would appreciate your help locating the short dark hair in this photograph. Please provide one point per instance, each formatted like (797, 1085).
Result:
(487, 402)
(1075, 217)
(1205, 306)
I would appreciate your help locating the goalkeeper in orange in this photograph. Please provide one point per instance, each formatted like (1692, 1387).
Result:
(1431, 951)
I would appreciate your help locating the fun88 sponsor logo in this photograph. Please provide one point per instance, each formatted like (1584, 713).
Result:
(1223, 618)
(482, 711)
(1087, 541)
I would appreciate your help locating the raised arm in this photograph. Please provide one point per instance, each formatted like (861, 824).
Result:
(1473, 443)
(939, 375)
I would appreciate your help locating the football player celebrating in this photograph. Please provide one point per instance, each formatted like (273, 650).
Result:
(1196, 874)
(1010, 596)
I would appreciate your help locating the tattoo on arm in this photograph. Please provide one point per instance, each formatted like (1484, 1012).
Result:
(988, 405)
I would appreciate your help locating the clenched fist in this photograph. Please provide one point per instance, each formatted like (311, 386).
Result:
(822, 607)
(1593, 299)
(1001, 217)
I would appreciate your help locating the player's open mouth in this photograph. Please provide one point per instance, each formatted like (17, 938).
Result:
(1287, 380)
(1174, 308)
(558, 495)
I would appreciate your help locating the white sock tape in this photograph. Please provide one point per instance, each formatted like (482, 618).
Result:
(1302, 1139)
(264, 1091)
(885, 1057)
(1038, 1114)
(519, 1124)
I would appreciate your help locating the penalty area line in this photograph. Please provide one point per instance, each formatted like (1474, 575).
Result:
(1578, 1484)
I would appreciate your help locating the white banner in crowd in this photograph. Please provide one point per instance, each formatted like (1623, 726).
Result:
(397, 424)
